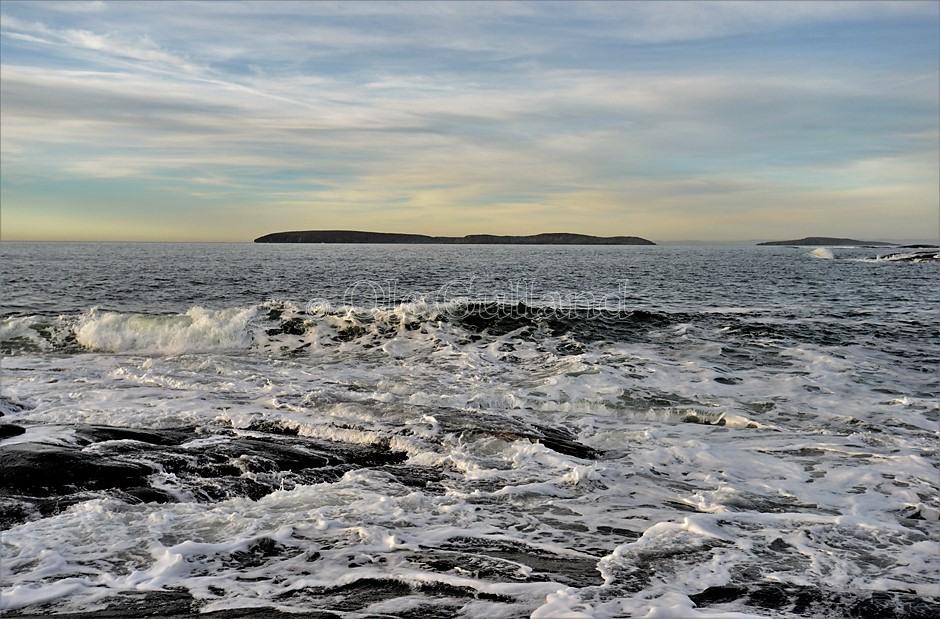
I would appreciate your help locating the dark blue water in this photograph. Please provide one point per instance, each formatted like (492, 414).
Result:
(161, 278)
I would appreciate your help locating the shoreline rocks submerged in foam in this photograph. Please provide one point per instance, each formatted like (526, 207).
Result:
(206, 465)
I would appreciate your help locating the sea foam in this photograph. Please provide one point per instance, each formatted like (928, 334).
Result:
(198, 330)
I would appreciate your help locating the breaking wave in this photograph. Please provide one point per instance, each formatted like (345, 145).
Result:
(914, 256)
(198, 330)
(283, 326)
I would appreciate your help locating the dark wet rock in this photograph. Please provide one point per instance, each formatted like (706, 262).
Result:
(146, 494)
(260, 455)
(563, 441)
(254, 466)
(682, 507)
(9, 430)
(503, 557)
(170, 604)
(814, 602)
(508, 428)
(435, 610)
(273, 427)
(890, 605)
(502, 561)
(257, 554)
(290, 326)
(364, 592)
(556, 441)
(349, 334)
(421, 477)
(779, 545)
(718, 595)
(88, 434)
(771, 596)
(621, 534)
(41, 479)
(47, 470)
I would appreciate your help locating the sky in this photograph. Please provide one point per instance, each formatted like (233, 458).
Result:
(712, 121)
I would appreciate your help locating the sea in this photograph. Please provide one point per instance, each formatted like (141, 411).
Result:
(469, 431)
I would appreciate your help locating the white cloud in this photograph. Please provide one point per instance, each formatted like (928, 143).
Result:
(142, 49)
(670, 21)
(367, 105)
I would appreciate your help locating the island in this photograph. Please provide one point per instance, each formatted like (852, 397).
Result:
(817, 241)
(355, 236)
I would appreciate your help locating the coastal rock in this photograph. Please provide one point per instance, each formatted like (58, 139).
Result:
(8, 430)
(916, 257)
(558, 439)
(43, 479)
(174, 603)
(360, 594)
(88, 434)
(811, 601)
(41, 470)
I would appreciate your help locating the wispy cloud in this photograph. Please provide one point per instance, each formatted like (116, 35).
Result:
(143, 49)
(665, 21)
(595, 117)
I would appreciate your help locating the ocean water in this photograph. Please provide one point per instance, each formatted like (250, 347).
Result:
(470, 431)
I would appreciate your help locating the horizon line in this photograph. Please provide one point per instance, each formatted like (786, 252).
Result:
(252, 242)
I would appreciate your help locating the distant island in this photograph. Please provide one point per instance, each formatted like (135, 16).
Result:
(354, 236)
(828, 240)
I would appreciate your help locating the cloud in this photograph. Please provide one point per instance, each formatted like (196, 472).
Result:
(142, 49)
(500, 140)
(666, 21)
(457, 112)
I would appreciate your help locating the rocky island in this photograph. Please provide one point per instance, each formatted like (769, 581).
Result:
(354, 236)
(817, 241)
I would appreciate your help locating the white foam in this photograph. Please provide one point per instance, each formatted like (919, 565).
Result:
(563, 603)
(198, 330)
(829, 449)
(823, 253)
(915, 257)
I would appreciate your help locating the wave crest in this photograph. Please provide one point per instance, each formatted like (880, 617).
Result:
(198, 330)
